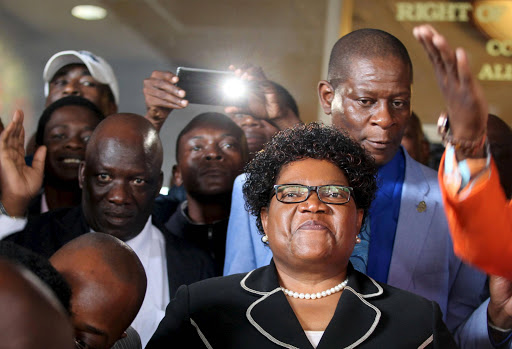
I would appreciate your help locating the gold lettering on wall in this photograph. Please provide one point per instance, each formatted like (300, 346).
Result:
(499, 48)
(486, 13)
(434, 11)
(496, 72)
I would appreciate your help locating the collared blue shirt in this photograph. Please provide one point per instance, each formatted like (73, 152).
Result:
(384, 213)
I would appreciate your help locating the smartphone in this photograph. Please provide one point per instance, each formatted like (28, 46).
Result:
(212, 87)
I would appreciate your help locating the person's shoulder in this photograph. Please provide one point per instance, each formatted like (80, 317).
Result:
(177, 243)
(46, 233)
(418, 175)
(381, 292)
(240, 179)
(220, 292)
(164, 207)
(62, 216)
(239, 182)
(178, 250)
(404, 296)
(219, 282)
(415, 167)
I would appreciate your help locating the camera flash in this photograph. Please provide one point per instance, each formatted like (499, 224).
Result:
(234, 88)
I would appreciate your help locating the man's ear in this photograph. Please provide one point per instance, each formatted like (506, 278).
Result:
(178, 179)
(81, 174)
(160, 182)
(325, 95)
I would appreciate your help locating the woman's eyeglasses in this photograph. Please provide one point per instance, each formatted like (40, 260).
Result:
(329, 194)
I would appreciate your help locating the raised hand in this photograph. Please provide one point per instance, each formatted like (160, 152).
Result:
(467, 107)
(162, 96)
(20, 183)
(265, 101)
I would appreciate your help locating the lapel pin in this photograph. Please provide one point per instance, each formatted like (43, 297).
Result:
(422, 207)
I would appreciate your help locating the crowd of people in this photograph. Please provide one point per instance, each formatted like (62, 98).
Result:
(275, 233)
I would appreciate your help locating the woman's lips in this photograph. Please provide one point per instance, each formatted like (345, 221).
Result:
(313, 225)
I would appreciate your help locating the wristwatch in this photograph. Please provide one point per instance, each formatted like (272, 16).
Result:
(465, 146)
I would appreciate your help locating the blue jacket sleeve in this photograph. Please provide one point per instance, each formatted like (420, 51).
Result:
(244, 249)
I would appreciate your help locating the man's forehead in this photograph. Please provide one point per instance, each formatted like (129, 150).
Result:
(385, 64)
(208, 130)
(111, 148)
(67, 68)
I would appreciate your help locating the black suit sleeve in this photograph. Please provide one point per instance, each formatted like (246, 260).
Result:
(442, 336)
(176, 329)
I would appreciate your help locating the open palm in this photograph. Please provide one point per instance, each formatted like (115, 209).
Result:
(19, 182)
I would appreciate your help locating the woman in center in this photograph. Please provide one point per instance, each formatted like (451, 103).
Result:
(310, 188)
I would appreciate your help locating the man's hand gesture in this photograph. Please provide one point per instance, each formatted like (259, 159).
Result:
(20, 183)
(467, 107)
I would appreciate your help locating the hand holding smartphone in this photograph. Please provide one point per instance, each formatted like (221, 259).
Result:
(212, 87)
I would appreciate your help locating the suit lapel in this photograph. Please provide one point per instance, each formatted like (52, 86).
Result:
(283, 329)
(353, 322)
(416, 213)
(274, 318)
(355, 317)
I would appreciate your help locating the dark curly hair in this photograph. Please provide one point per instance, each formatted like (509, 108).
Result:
(315, 141)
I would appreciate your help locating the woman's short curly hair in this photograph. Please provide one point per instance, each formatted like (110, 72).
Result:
(315, 141)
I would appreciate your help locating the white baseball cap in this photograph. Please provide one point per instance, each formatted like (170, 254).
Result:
(97, 66)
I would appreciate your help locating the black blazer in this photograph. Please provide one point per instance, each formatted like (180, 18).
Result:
(250, 311)
(46, 233)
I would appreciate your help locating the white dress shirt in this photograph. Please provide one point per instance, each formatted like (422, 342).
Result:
(149, 246)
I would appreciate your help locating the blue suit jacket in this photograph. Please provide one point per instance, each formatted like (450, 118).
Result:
(422, 262)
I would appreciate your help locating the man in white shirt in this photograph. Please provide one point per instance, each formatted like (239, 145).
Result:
(120, 178)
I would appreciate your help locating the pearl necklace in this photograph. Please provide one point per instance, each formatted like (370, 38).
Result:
(317, 295)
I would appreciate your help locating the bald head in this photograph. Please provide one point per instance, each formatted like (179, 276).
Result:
(108, 285)
(499, 135)
(121, 175)
(365, 44)
(31, 315)
(127, 128)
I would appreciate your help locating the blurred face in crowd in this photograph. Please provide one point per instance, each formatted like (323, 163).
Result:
(66, 135)
(121, 176)
(372, 104)
(257, 131)
(210, 157)
(75, 80)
